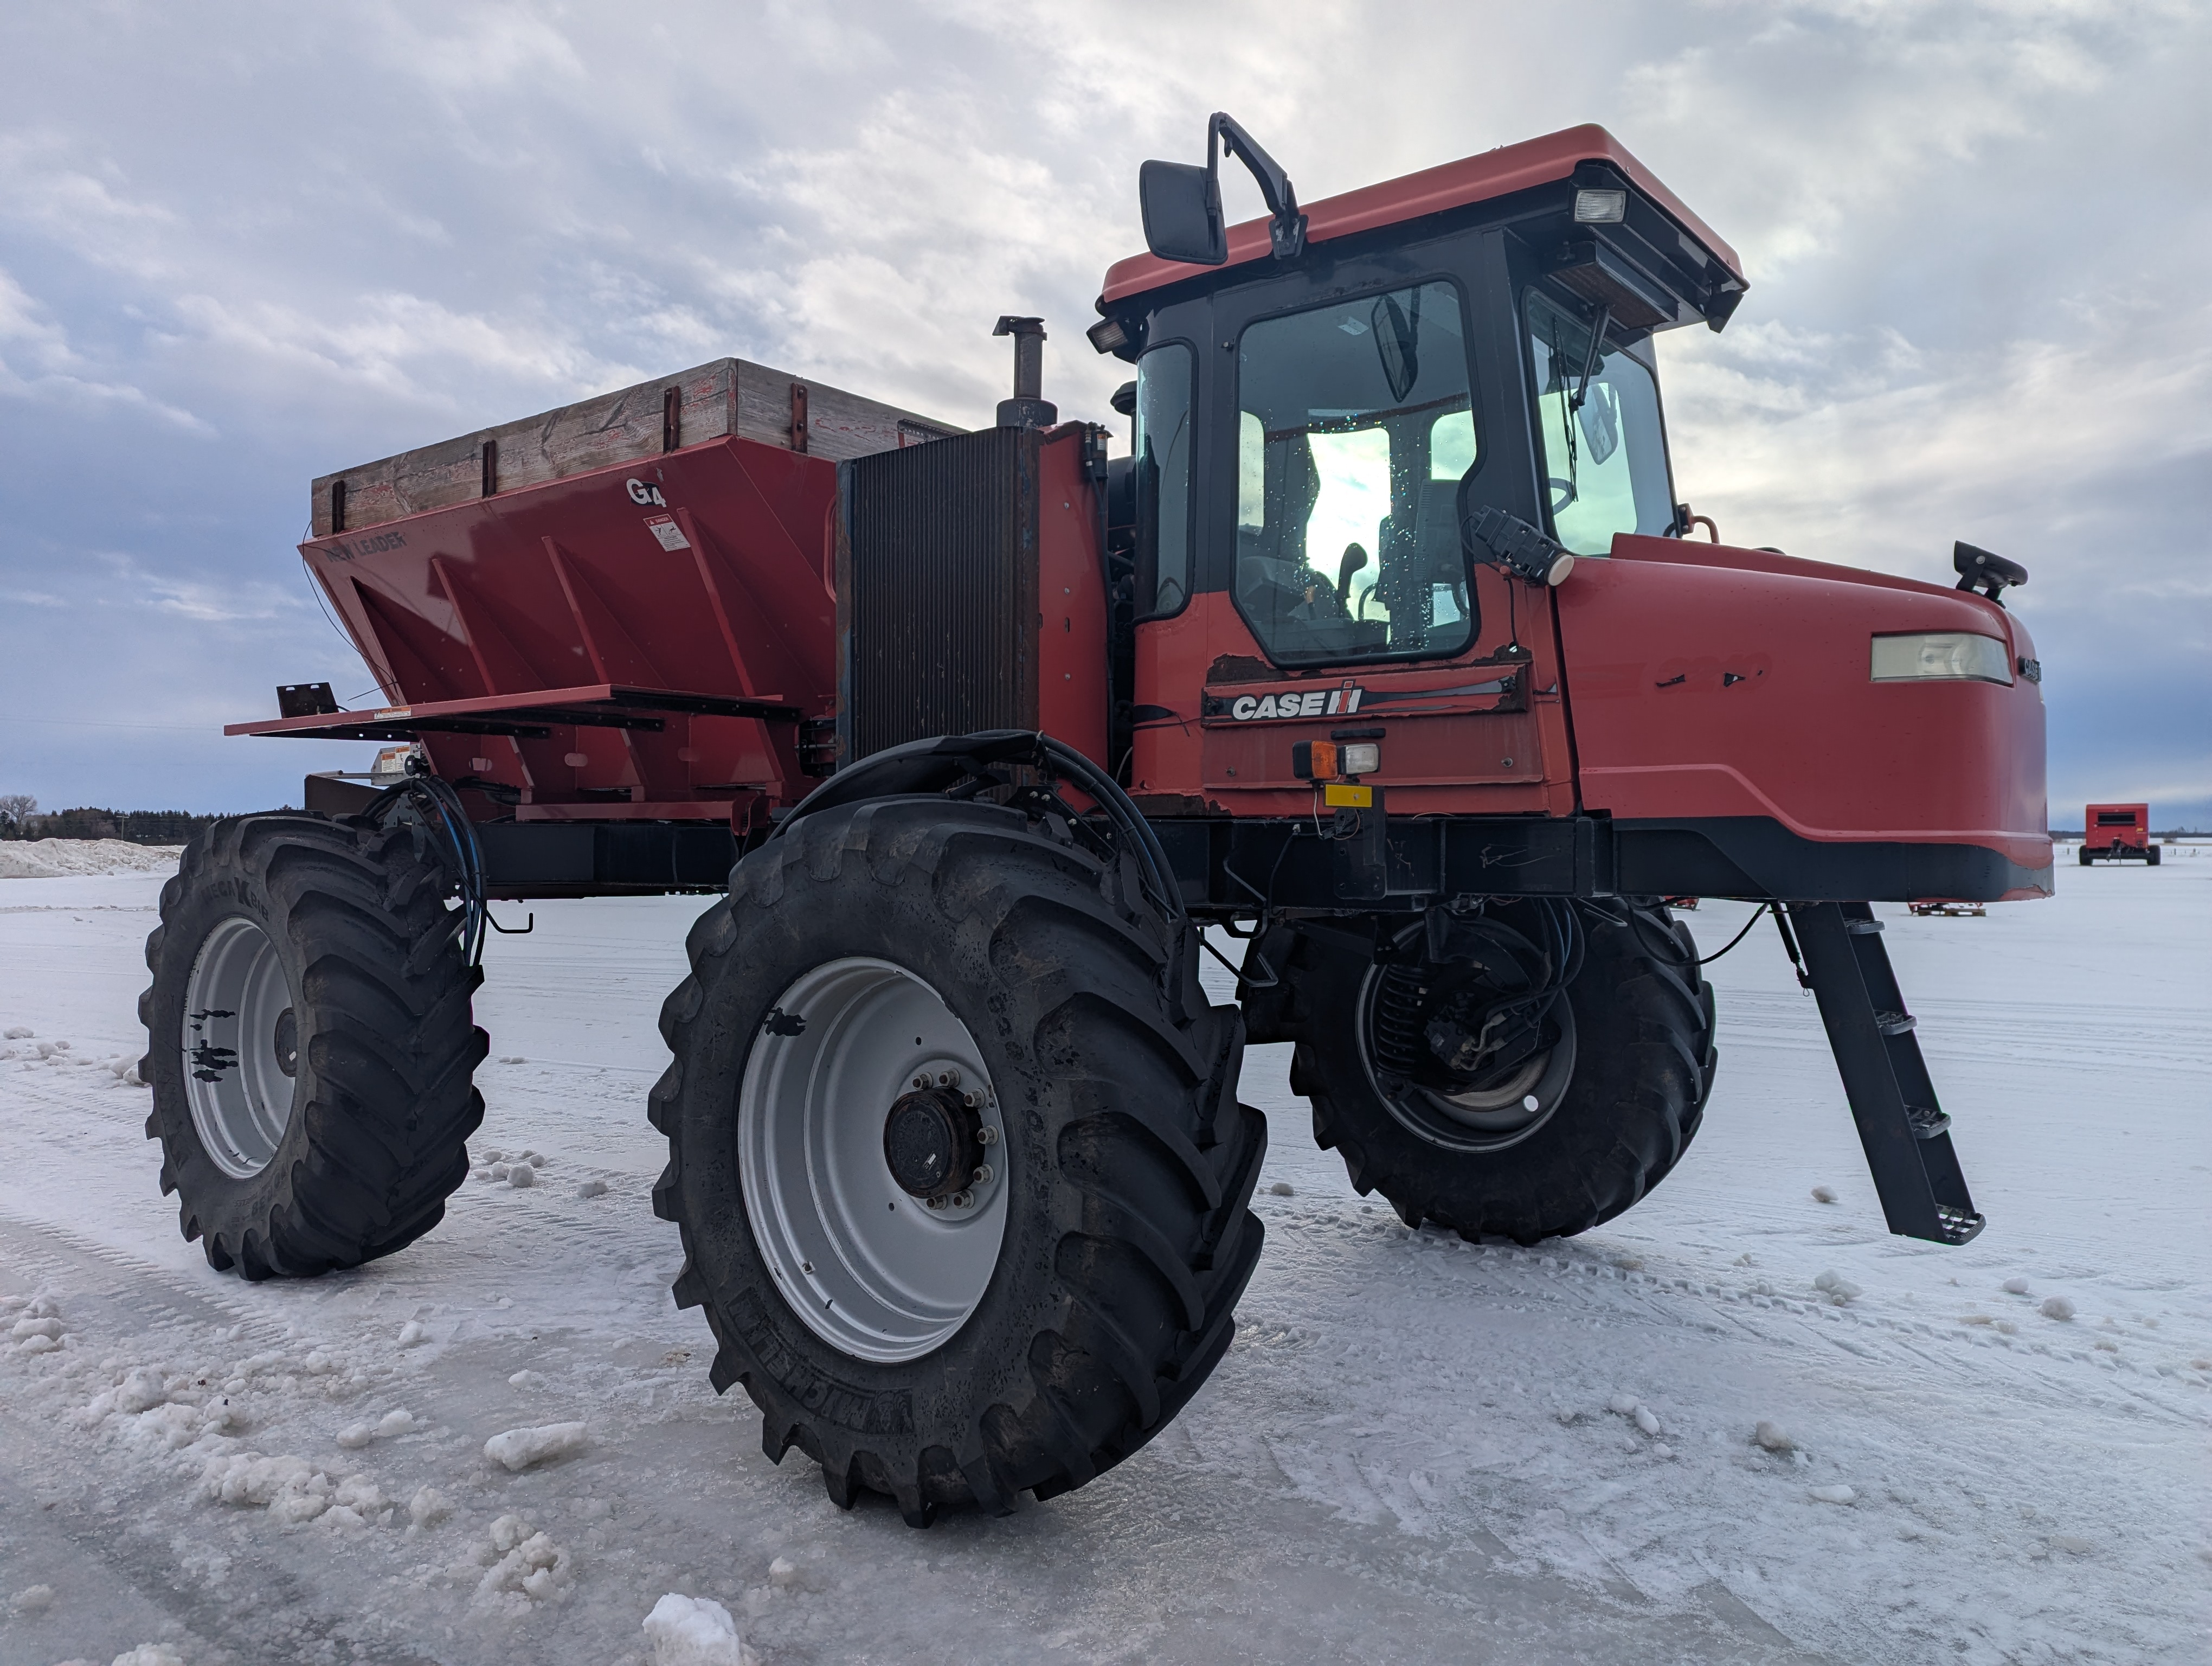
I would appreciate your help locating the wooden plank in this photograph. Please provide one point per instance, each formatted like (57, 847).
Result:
(724, 396)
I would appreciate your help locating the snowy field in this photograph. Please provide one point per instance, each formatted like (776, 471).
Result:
(1417, 1450)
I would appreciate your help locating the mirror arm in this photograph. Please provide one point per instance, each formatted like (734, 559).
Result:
(1287, 226)
(1590, 359)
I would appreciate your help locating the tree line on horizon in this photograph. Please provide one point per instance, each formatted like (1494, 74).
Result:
(20, 818)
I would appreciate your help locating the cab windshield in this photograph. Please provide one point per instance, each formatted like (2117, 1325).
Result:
(1605, 454)
(1354, 430)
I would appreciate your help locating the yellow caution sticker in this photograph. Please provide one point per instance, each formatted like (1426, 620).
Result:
(1339, 795)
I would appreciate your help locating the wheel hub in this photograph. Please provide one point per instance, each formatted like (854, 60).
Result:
(1459, 1063)
(931, 1141)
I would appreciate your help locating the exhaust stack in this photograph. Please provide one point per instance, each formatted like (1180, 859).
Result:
(1028, 408)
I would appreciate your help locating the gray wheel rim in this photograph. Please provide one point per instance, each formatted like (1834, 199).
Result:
(875, 1273)
(238, 1082)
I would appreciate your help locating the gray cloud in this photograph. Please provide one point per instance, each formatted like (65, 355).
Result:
(244, 244)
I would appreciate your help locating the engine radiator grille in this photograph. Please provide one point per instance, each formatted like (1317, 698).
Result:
(938, 591)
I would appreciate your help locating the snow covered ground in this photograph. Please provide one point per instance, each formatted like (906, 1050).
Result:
(1417, 1450)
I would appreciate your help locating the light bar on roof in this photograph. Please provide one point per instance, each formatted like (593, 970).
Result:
(1601, 208)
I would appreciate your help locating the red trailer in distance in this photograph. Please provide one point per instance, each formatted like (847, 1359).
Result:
(2117, 833)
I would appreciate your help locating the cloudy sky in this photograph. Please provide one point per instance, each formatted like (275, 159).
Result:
(242, 243)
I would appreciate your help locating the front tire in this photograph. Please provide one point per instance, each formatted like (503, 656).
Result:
(1598, 1110)
(1042, 1324)
(309, 1044)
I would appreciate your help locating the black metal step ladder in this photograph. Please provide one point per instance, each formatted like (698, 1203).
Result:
(1907, 1135)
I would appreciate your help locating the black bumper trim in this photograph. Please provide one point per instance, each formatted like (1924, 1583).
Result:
(1226, 864)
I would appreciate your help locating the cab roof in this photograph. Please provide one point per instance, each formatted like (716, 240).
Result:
(1432, 191)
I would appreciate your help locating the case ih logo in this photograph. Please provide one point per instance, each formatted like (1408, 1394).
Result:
(1296, 702)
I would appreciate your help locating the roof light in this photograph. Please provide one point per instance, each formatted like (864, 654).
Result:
(1594, 207)
(1941, 656)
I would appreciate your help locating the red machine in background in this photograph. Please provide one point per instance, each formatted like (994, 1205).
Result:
(2117, 833)
(1384, 649)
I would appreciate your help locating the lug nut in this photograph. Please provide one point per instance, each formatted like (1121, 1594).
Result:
(948, 1078)
(983, 1176)
(962, 1200)
(972, 1099)
(921, 1081)
(986, 1135)
(936, 1203)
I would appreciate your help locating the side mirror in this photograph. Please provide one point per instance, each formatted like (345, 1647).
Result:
(1182, 206)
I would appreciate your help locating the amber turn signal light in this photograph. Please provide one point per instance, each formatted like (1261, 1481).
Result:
(1324, 760)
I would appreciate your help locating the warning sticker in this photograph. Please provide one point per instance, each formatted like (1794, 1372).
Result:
(664, 528)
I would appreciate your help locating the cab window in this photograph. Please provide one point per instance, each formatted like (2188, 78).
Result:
(1604, 450)
(1354, 429)
(1163, 454)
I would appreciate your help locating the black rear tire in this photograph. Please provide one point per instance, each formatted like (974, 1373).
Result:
(1127, 1163)
(378, 1044)
(1638, 1040)
(2151, 855)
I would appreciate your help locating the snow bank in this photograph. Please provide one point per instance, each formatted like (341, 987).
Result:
(693, 1630)
(58, 859)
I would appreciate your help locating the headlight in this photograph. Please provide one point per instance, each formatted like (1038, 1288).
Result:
(1941, 656)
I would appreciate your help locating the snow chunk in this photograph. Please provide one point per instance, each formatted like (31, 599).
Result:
(141, 1391)
(2071, 1545)
(1838, 1494)
(2056, 1307)
(1645, 1421)
(35, 1599)
(413, 1332)
(291, 1489)
(2015, 1286)
(530, 1567)
(1282, 1188)
(593, 1189)
(490, 1153)
(522, 1175)
(149, 1654)
(1622, 1404)
(525, 1379)
(17, 1032)
(518, 1449)
(783, 1571)
(429, 1507)
(1838, 1288)
(1772, 1437)
(693, 1630)
(1824, 1194)
(358, 1435)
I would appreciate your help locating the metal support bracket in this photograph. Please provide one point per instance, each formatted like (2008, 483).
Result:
(1906, 1134)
